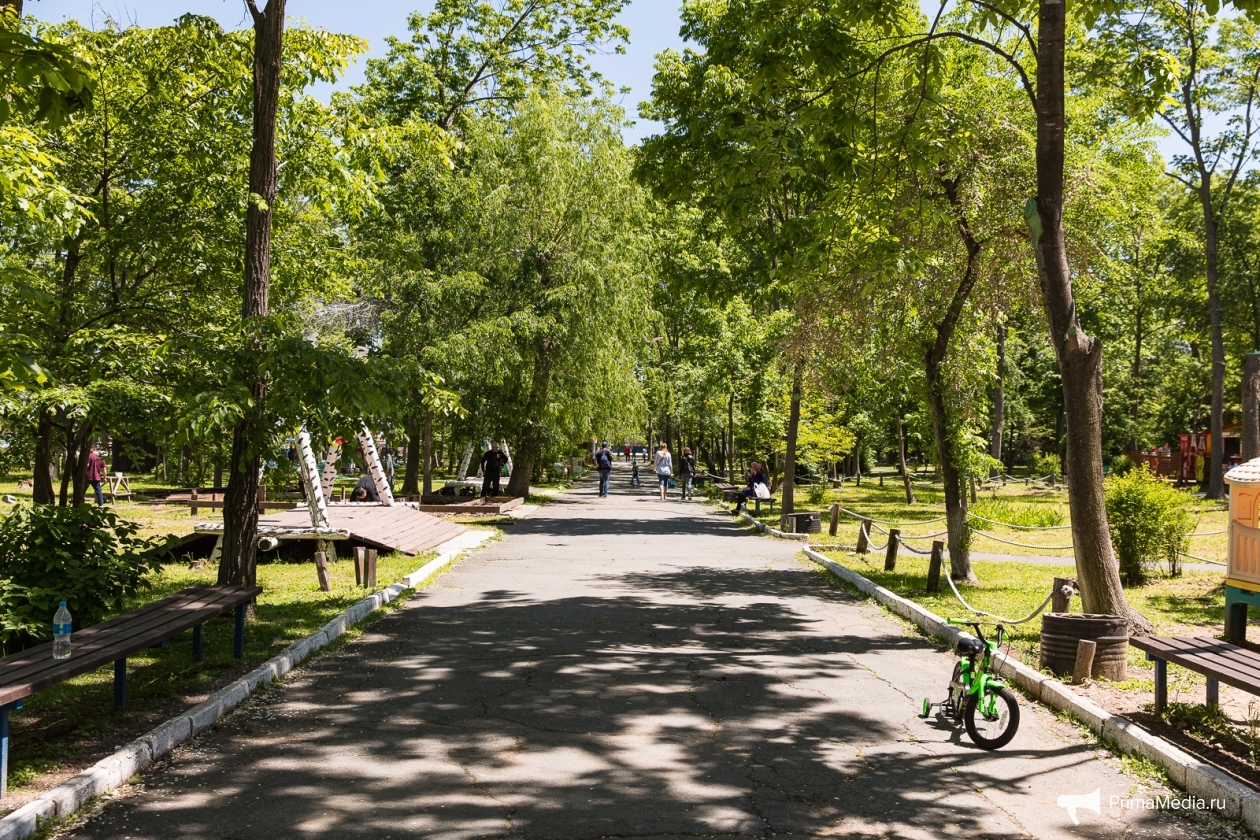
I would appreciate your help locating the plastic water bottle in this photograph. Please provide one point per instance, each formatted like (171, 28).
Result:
(61, 633)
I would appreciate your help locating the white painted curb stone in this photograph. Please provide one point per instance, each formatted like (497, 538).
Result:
(774, 532)
(114, 771)
(1201, 780)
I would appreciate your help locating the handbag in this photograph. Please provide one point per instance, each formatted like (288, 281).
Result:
(672, 484)
(761, 490)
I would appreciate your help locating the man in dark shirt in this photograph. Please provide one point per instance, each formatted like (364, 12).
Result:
(604, 464)
(755, 476)
(365, 490)
(491, 471)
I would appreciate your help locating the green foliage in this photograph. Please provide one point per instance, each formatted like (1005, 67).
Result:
(1148, 522)
(817, 494)
(85, 556)
(1004, 510)
(39, 78)
(1122, 465)
(1042, 464)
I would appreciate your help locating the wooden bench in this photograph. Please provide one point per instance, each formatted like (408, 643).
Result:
(1220, 662)
(34, 669)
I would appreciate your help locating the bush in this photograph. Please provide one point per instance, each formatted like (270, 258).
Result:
(1043, 464)
(1148, 522)
(85, 556)
(817, 494)
(1122, 465)
(1002, 510)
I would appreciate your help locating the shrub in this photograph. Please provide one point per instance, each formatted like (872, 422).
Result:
(1148, 522)
(85, 556)
(817, 494)
(1002, 510)
(1122, 465)
(1043, 464)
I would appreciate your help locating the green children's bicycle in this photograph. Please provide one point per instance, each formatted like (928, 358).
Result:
(977, 696)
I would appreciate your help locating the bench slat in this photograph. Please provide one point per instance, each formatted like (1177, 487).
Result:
(1218, 660)
(34, 669)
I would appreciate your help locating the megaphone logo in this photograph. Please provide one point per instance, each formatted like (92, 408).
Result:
(1087, 801)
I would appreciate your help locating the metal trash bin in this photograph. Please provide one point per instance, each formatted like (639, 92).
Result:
(806, 523)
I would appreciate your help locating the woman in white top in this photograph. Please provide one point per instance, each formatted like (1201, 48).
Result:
(663, 463)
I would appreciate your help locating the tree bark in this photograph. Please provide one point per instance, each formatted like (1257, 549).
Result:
(788, 504)
(237, 565)
(730, 438)
(1216, 426)
(1079, 355)
(901, 460)
(42, 490)
(428, 452)
(411, 475)
(999, 402)
(530, 446)
(78, 475)
(954, 481)
(1251, 406)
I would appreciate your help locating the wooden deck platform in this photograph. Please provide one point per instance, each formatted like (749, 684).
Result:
(398, 528)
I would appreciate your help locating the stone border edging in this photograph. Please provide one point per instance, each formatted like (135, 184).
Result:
(766, 529)
(1187, 772)
(114, 771)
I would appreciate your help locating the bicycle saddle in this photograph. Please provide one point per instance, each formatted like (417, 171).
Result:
(968, 646)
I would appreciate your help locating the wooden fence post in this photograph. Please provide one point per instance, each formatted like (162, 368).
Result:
(360, 560)
(321, 571)
(890, 559)
(369, 573)
(835, 519)
(1060, 602)
(934, 567)
(863, 540)
(192, 504)
(1084, 661)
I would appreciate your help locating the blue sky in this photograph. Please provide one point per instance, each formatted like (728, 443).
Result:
(653, 27)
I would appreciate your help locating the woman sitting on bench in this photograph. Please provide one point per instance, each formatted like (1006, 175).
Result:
(755, 477)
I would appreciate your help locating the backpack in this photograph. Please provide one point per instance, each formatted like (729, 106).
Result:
(604, 460)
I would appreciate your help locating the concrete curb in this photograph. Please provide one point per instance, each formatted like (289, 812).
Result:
(774, 532)
(114, 771)
(1241, 802)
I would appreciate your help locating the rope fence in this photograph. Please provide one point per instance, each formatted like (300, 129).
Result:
(1067, 590)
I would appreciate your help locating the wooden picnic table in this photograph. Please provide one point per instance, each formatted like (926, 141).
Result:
(1220, 662)
(34, 669)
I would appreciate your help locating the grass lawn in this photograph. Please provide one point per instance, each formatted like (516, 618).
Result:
(1013, 503)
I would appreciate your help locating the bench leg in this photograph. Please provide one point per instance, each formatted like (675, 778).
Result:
(1213, 693)
(238, 640)
(1235, 619)
(1161, 684)
(197, 643)
(120, 684)
(4, 750)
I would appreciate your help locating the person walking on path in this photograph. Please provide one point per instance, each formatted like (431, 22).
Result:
(604, 463)
(625, 453)
(96, 474)
(755, 477)
(491, 471)
(663, 463)
(686, 472)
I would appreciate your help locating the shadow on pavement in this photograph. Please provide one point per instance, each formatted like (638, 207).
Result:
(518, 716)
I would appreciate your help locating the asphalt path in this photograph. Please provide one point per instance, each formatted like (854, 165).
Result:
(624, 667)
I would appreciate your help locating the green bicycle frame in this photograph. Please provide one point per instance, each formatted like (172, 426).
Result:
(977, 677)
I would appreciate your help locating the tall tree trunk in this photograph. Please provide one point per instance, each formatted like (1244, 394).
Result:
(1216, 426)
(68, 463)
(999, 401)
(901, 460)
(428, 452)
(1079, 355)
(411, 475)
(1251, 406)
(730, 438)
(42, 491)
(788, 505)
(240, 503)
(79, 474)
(1136, 371)
(529, 449)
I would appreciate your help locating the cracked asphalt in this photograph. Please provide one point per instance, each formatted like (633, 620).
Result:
(624, 667)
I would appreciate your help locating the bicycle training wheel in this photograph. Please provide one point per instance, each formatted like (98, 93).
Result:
(992, 720)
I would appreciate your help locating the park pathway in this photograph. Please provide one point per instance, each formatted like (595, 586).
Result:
(624, 667)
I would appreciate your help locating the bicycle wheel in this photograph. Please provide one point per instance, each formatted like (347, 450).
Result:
(992, 727)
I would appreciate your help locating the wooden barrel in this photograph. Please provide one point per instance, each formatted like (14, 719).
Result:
(1060, 633)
